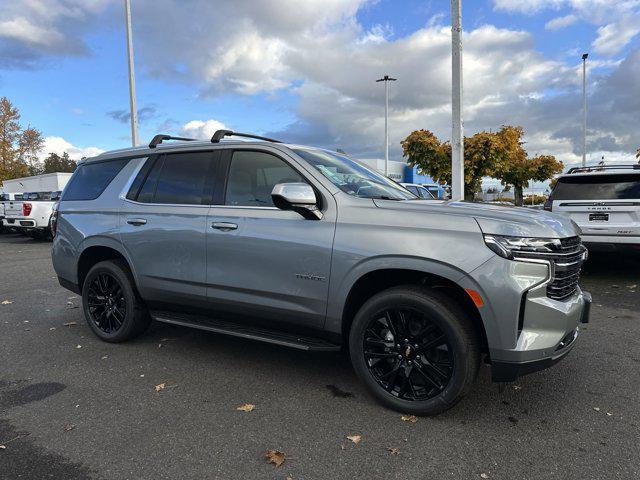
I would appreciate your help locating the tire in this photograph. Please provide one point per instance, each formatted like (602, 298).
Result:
(111, 304)
(426, 375)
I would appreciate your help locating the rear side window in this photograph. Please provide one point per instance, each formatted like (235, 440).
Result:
(179, 178)
(91, 179)
(598, 187)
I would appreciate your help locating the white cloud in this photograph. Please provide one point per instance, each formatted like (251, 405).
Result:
(59, 146)
(202, 129)
(22, 29)
(613, 37)
(561, 22)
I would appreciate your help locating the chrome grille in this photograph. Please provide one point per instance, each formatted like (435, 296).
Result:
(567, 269)
(567, 262)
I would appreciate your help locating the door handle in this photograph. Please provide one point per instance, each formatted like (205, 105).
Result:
(224, 226)
(136, 221)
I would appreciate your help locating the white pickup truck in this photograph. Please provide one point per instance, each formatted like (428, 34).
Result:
(32, 214)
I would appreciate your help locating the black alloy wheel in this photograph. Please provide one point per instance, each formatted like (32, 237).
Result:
(107, 303)
(112, 306)
(416, 350)
(407, 354)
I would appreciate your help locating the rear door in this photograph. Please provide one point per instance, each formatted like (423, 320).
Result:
(264, 263)
(163, 224)
(606, 204)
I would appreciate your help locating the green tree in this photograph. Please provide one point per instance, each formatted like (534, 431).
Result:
(485, 152)
(520, 169)
(58, 163)
(19, 147)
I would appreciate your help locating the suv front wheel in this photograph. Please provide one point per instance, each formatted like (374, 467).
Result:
(414, 349)
(111, 305)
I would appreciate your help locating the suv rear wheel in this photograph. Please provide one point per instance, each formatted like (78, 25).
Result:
(111, 305)
(415, 350)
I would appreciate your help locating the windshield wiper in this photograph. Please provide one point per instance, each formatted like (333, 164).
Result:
(385, 197)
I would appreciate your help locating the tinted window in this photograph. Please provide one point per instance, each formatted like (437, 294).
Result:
(90, 179)
(412, 189)
(177, 179)
(598, 187)
(252, 176)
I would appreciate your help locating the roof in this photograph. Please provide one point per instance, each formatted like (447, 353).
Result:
(602, 170)
(144, 150)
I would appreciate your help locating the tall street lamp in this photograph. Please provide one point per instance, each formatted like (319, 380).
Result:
(386, 79)
(132, 77)
(584, 109)
(457, 134)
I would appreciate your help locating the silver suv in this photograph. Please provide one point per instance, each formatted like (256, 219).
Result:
(306, 248)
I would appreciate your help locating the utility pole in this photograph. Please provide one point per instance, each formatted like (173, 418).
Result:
(584, 109)
(132, 77)
(457, 134)
(386, 79)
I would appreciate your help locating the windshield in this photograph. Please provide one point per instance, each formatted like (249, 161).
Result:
(353, 178)
(598, 187)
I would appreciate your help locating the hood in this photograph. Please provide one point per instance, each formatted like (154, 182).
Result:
(495, 219)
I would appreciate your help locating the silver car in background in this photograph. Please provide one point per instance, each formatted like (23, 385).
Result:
(307, 248)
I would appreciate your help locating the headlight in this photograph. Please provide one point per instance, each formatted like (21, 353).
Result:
(512, 247)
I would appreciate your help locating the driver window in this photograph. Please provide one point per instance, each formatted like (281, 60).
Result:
(252, 176)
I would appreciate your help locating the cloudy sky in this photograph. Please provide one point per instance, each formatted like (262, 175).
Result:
(304, 70)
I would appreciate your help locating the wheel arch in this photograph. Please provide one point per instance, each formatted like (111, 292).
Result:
(375, 276)
(98, 250)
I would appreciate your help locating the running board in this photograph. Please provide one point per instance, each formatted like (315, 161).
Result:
(245, 331)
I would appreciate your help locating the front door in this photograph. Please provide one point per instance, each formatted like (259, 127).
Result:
(265, 263)
(163, 223)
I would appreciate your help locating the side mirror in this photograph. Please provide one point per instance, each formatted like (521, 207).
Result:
(298, 197)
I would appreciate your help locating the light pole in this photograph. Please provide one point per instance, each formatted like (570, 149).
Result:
(386, 79)
(132, 77)
(584, 109)
(457, 135)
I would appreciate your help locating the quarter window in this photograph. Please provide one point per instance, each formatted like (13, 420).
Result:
(91, 179)
(252, 176)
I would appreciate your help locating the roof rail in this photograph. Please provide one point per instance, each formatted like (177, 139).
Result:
(158, 139)
(599, 168)
(220, 134)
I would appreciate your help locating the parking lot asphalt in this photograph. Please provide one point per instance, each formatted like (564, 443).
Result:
(73, 407)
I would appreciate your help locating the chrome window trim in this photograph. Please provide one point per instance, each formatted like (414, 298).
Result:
(132, 177)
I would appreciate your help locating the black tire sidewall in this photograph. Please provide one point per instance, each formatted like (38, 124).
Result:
(129, 325)
(448, 318)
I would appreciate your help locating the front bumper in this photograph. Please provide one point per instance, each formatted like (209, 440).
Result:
(525, 329)
(508, 371)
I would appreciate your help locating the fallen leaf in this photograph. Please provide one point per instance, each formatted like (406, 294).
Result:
(160, 386)
(275, 456)
(142, 375)
(78, 346)
(517, 387)
(409, 418)
(484, 475)
(69, 324)
(68, 428)
(6, 302)
(52, 328)
(355, 438)
(393, 450)
(597, 409)
(342, 447)
(3, 447)
(104, 357)
(247, 407)
(632, 287)
(609, 414)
